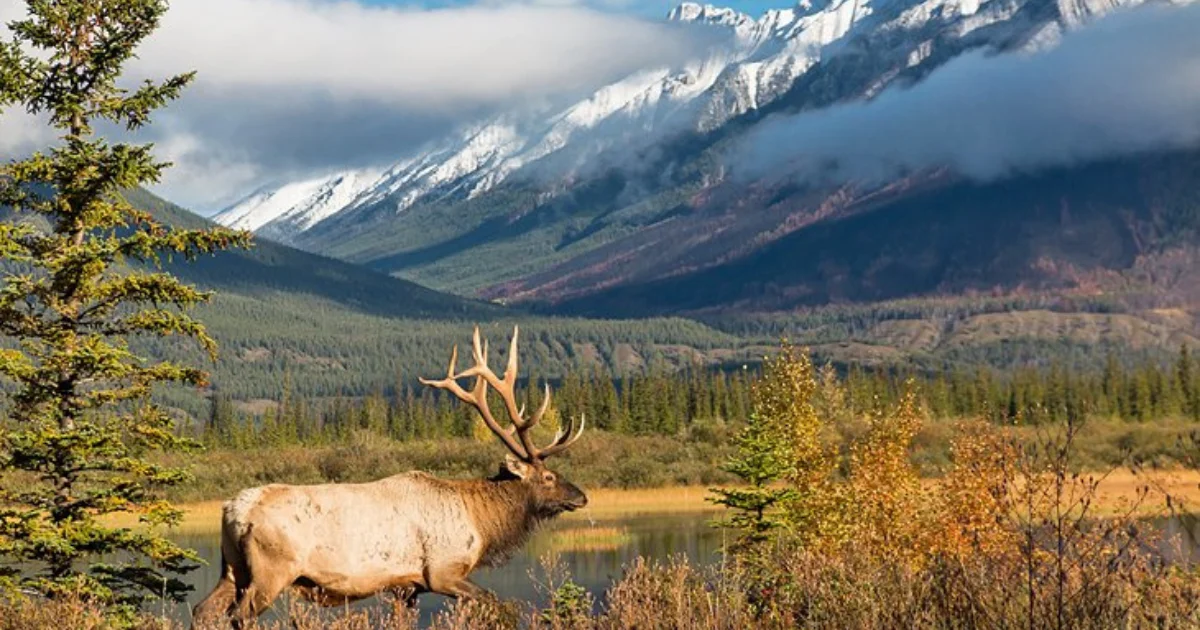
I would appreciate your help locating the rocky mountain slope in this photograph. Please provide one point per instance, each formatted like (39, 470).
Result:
(621, 203)
(1128, 229)
(756, 61)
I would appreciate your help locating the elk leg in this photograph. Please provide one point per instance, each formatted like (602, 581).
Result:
(453, 582)
(217, 605)
(268, 578)
(467, 589)
(256, 599)
(408, 594)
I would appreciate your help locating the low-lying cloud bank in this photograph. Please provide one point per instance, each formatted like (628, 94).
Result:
(288, 87)
(1127, 84)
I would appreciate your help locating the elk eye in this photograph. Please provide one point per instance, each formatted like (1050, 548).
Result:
(549, 477)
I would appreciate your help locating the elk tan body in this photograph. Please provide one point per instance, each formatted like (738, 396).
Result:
(336, 543)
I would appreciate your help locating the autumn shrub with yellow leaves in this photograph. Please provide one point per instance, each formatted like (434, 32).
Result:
(1007, 536)
(887, 502)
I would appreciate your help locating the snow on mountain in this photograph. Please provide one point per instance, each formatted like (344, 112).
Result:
(299, 204)
(484, 156)
(757, 61)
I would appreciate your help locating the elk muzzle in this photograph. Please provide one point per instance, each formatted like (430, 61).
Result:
(575, 498)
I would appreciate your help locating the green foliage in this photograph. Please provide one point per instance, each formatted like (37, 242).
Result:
(781, 442)
(697, 402)
(570, 605)
(758, 463)
(705, 407)
(78, 283)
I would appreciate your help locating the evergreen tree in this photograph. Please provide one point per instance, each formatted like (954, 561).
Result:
(781, 442)
(608, 415)
(760, 462)
(78, 281)
(1111, 384)
(222, 420)
(1185, 382)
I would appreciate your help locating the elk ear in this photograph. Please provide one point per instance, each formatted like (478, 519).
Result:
(516, 466)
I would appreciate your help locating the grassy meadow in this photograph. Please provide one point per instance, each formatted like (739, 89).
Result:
(644, 475)
(607, 463)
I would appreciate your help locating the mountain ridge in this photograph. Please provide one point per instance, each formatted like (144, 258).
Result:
(268, 267)
(763, 58)
(625, 212)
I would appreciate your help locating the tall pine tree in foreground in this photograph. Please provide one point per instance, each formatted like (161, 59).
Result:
(81, 276)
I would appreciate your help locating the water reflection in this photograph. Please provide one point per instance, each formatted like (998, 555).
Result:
(592, 553)
(1180, 539)
(595, 553)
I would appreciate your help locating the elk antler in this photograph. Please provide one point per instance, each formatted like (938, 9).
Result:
(506, 387)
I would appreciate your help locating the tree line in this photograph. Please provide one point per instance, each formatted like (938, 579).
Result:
(695, 400)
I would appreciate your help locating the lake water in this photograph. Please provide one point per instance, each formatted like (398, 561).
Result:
(593, 554)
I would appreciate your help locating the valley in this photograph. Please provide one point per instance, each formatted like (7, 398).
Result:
(831, 313)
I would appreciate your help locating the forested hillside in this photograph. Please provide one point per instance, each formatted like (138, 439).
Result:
(296, 280)
(708, 404)
(324, 329)
(330, 328)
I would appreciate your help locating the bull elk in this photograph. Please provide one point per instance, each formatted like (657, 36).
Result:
(336, 543)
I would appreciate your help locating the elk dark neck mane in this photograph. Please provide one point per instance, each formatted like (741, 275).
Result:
(504, 513)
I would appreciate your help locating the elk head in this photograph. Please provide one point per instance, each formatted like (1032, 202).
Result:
(551, 493)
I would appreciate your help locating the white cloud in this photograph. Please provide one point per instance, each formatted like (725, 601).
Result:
(415, 58)
(196, 166)
(22, 133)
(286, 87)
(11, 10)
(1127, 84)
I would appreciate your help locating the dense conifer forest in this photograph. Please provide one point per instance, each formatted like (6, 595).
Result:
(698, 400)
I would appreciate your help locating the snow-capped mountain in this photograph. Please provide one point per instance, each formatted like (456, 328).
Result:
(757, 62)
(298, 205)
(483, 156)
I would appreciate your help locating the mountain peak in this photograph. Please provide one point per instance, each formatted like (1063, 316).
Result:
(761, 60)
(707, 14)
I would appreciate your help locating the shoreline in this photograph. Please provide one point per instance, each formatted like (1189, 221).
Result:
(604, 504)
(1117, 493)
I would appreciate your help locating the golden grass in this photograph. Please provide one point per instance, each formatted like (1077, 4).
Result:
(594, 538)
(198, 518)
(617, 503)
(1120, 489)
(1121, 492)
(1116, 492)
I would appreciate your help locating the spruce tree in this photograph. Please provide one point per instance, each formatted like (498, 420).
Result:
(781, 459)
(1185, 383)
(80, 279)
(760, 463)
